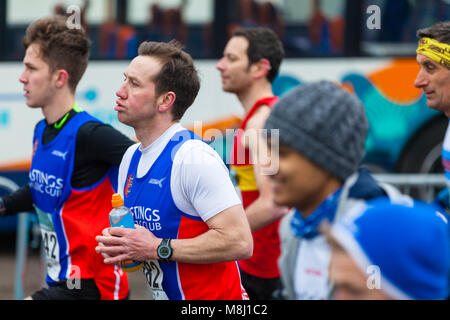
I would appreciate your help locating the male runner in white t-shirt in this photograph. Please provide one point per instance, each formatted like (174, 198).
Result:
(191, 227)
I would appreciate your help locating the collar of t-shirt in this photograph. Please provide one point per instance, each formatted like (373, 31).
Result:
(153, 151)
(50, 131)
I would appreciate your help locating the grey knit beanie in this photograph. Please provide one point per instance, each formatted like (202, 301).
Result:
(323, 123)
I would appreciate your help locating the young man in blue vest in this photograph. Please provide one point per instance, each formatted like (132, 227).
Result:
(73, 169)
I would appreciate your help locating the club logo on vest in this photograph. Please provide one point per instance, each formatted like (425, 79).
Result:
(128, 185)
(45, 183)
(157, 182)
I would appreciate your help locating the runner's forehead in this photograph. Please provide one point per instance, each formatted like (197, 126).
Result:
(143, 68)
(421, 59)
(236, 46)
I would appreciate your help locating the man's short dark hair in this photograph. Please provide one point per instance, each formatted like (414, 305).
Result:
(178, 73)
(439, 31)
(263, 44)
(61, 47)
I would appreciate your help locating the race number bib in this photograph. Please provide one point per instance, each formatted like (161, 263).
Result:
(51, 244)
(154, 275)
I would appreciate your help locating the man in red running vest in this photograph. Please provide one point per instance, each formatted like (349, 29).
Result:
(250, 63)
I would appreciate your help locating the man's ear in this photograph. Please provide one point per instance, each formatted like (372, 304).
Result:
(166, 101)
(62, 77)
(262, 68)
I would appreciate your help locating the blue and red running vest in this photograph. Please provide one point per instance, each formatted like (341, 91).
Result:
(150, 199)
(71, 219)
(266, 241)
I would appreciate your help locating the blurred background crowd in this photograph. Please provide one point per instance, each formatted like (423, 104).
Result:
(307, 27)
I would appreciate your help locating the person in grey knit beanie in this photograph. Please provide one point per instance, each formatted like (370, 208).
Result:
(325, 124)
(322, 132)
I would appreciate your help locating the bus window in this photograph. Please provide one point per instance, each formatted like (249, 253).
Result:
(146, 11)
(22, 12)
(395, 32)
(307, 28)
(93, 15)
(189, 22)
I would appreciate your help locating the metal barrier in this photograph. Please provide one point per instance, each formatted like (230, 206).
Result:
(21, 242)
(424, 185)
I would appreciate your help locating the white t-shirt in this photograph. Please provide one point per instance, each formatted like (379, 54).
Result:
(311, 270)
(200, 182)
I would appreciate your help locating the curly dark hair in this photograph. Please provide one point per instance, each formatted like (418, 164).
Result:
(61, 47)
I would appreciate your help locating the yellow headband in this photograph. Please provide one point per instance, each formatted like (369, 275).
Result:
(433, 49)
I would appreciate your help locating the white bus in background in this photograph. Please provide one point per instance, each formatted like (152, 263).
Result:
(325, 39)
(396, 110)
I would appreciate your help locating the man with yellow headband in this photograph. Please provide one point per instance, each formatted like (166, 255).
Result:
(433, 56)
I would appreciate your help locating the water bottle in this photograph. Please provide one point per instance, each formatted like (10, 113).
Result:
(121, 216)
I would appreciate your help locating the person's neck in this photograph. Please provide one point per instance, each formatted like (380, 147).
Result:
(58, 107)
(251, 95)
(150, 132)
(331, 187)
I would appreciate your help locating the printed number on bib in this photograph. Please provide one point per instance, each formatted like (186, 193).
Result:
(51, 244)
(154, 275)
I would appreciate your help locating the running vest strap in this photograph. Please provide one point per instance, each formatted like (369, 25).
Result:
(68, 218)
(446, 157)
(266, 241)
(150, 199)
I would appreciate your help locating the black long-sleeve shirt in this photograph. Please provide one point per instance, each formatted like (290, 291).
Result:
(98, 147)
